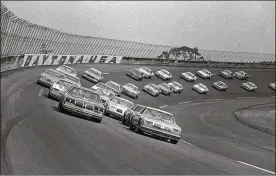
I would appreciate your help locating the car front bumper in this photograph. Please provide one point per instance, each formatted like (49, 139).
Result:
(158, 133)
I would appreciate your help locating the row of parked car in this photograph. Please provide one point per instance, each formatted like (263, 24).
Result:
(104, 99)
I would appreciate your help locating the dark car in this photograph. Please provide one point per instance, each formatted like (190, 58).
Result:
(226, 74)
(135, 74)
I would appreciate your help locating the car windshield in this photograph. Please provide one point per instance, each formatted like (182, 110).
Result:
(106, 93)
(103, 86)
(153, 86)
(136, 71)
(133, 87)
(147, 69)
(139, 108)
(96, 72)
(160, 115)
(123, 102)
(113, 85)
(166, 86)
(64, 83)
(176, 84)
(72, 78)
(201, 85)
(242, 72)
(228, 72)
(219, 83)
(55, 73)
(206, 71)
(189, 74)
(250, 84)
(82, 93)
(165, 71)
(68, 69)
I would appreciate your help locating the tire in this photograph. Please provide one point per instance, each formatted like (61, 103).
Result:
(60, 107)
(137, 129)
(48, 95)
(106, 113)
(124, 121)
(130, 126)
(98, 120)
(174, 141)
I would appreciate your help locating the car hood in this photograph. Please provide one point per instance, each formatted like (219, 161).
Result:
(161, 122)
(91, 74)
(130, 89)
(50, 77)
(119, 106)
(90, 102)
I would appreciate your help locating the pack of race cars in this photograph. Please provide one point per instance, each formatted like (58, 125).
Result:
(104, 98)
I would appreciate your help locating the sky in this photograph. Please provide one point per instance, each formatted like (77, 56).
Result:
(243, 26)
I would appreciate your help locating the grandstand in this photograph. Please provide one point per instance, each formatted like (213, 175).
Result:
(19, 36)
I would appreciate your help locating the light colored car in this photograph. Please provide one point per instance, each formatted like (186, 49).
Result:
(205, 74)
(249, 86)
(148, 73)
(50, 76)
(131, 90)
(157, 123)
(103, 86)
(226, 74)
(272, 86)
(82, 101)
(105, 95)
(176, 87)
(115, 86)
(67, 70)
(76, 80)
(93, 75)
(219, 85)
(201, 88)
(163, 74)
(152, 89)
(165, 89)
(241, 75)
(117, 107)
(188, 76)
(59, 87)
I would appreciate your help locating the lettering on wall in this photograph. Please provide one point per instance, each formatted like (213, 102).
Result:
(31, 60)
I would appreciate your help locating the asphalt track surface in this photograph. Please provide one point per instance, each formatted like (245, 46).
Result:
(37, 139)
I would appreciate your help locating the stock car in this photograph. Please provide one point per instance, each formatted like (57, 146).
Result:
(50, 76)
(176, 87)
(117, 107)
(135, 74)
(158, 123)
(205, 74)
(93, 75)
(152, 89)
(105, 95)
(241, 75)
(148, 73)
(76, 80)
(67, 70)
(200, 88)
(83, 102)
(226, 74)
(165, 89)
(272, 86)
(59, 87)
(115, 86)
(131, 90)
(103, 86)
(163, 74)
(219, 85)
(188, 76)
(249, 86)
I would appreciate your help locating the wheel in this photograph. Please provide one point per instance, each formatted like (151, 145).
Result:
(174, 141)
(106, 113)
(49, 95)
(60, 108)
(124, 121)
(137, 129)
(131, 126)
(98, 120)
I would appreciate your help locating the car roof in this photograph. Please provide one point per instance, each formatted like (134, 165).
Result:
(67, 67)
(94, 69)
(159, 110)
(123, 99)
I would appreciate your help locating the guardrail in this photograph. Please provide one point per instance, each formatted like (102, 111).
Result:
(26, 61)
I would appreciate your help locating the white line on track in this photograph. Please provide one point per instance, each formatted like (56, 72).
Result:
(256, 167)
(200, 103)
(163, 106)
(213, 100)
(187, 142)
(229, 100)
(185, 102)
(40, 92)
(245, 97)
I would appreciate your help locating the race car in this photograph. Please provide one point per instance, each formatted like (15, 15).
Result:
(105, 95)
(115, 86)
(152, 89)
(226, 74)
(219, 85)
(117, 106)
(272, 85)
(50, 76)
(59, 87)
(165, 89)
(176, 87)
(241, 75)
(93, 75)
(249, 86)
(103, 86)
(147, 73)
(135, 74)
(200, 88)
(67, 70)
(83, 102)
(157, 123)
(188, 76)
(76, 80)
(205, 74)
(131, 90)
(163, 74)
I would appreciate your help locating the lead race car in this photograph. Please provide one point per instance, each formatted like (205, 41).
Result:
(152, 89)
(103, 86)
(249, 86)
(176, 87)
(115, 86)
(67, 70)
(135, 74)
(200, 88)
(105, 95)
(131, 90)
(163, 74)
(58, 88)
(155, 122)
(83, 102)
(50, 76)
(219, 85)
(188, 76)
(241, 75)
(205, 74)
(117, 107)
(93, 75)
(147, 73)
(226, 74)
(165, 89)
(272, 86)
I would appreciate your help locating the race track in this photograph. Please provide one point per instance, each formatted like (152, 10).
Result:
(38, 139)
